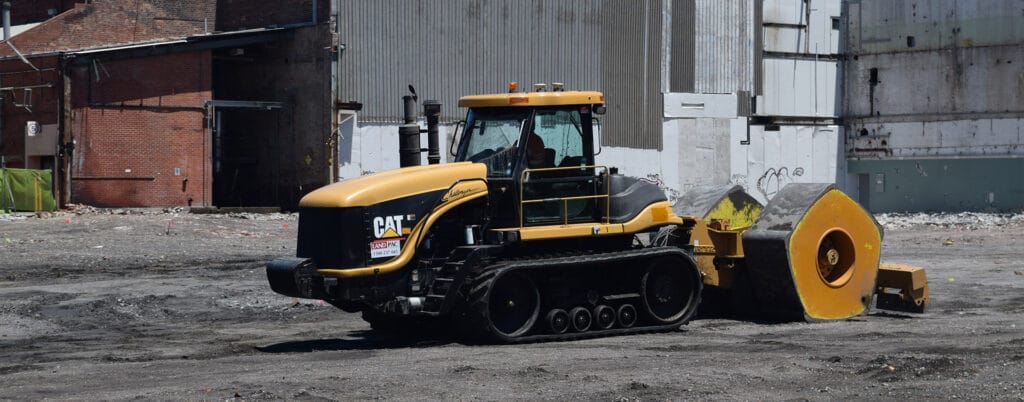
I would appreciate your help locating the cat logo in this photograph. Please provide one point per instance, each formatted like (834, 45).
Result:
(387, 226)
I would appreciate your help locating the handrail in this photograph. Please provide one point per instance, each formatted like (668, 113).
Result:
(524, 178)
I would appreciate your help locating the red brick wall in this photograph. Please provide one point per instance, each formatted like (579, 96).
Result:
(142, 119)
(247, 14)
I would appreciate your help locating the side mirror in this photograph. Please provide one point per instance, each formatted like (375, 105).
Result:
(597, 135)
(456, 137)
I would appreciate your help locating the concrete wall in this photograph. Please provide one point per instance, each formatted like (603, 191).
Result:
(934, 98)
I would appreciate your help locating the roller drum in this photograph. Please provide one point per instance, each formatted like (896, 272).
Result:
(812, 255)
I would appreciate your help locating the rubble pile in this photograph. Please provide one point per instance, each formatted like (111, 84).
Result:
(960, 221)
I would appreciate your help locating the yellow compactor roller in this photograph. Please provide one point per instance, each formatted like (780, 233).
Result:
(524, 237)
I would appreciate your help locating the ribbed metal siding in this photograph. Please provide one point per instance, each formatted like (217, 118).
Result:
(631, 73)
(450, 48)
(724, 47)
(757, 23)
(683, 36)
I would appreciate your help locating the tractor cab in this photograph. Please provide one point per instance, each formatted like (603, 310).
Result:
(538, 148)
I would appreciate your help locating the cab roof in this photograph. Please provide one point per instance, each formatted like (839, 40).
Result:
(528, 99)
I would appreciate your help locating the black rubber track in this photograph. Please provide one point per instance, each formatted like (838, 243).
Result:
(474, 324)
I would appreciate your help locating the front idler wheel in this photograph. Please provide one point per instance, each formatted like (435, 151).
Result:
(513, 305)
(669, 291)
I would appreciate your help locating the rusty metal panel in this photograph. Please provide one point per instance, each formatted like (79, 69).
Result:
(724, 50)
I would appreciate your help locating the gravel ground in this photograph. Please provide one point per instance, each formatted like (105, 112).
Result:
(162, 304)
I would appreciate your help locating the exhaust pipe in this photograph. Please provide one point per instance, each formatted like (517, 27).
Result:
(409, 135)
(432, 109)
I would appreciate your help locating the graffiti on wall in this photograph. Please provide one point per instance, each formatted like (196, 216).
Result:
(774, 179)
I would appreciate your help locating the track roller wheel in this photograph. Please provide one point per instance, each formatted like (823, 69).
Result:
(813, 255)
(626, 315)
(604, 317)
(558, 321)
(513, 304)
(670, 292)
(581, 319)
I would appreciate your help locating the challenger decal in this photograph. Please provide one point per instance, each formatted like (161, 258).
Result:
(463, 190)
(457, 194)
(388, 231)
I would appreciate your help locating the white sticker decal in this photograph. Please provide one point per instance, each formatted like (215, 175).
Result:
(385, 248)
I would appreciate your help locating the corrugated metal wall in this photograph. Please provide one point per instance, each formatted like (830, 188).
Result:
(450, 48)
(684, 13)
(724, 46)
(631, 73)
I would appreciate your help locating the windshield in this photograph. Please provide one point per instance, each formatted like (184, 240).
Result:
(491, 137)
(555, 137)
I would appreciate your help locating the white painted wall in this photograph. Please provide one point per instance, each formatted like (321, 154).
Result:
(696, 152)
(804, 88)
(793, 154)
(373, 147)
(819, 37)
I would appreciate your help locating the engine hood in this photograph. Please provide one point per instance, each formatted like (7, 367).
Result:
(392, 184)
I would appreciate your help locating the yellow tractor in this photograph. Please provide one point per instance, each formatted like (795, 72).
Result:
(524, 237)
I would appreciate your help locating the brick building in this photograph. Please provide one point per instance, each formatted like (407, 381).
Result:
(169, 102)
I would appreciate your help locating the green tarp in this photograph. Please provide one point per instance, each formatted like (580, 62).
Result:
(26, 190)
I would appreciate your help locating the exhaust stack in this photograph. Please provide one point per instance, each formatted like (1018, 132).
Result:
(409, 133)
(7, 20)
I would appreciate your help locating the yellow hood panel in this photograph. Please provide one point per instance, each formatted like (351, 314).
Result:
(392, 184)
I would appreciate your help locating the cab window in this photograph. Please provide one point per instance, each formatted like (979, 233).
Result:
(561, 134)
(491, 138)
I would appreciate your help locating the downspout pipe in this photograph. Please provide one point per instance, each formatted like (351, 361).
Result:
(66, 147)
(335, 96)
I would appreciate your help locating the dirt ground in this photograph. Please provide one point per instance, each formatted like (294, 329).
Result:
(171, 305)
